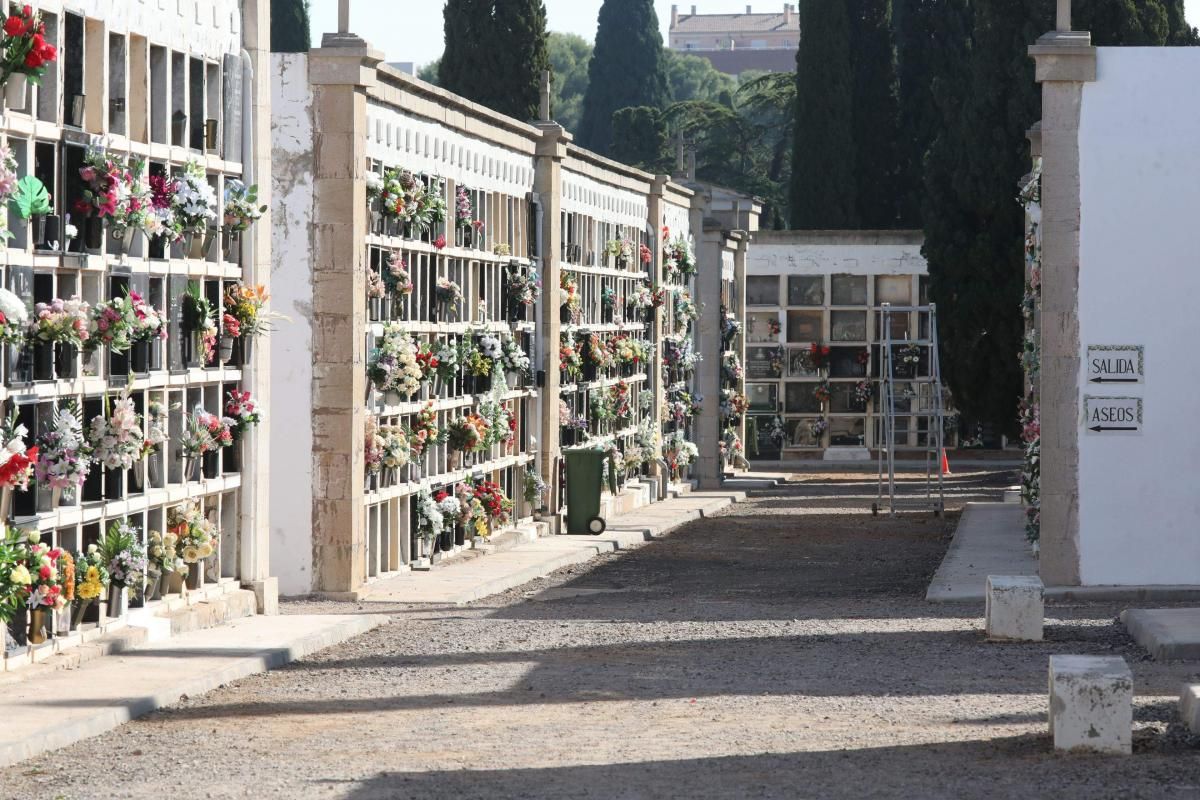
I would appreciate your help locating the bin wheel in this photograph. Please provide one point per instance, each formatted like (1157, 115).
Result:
(596, 526)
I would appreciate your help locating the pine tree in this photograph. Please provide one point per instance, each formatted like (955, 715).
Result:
(289, 26)
(875, 112)
(824, 185)
(522, 56)
(626, 69)
(1180, 33)
(468, 65)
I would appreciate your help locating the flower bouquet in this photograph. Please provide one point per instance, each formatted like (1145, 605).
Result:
(194, 204)
(597, 358)
(393, 366)
(398, 283)
(24, 54)
(685, 312)
(200, 323)
(515, 361)
(197, 538)
(570, 303)
(523, 288)
(731, 367)
(14, 318)
(430, 519)
(247, 305)
(101, 176)
(372, 449)
(449, 297)
(126, 563)
(534, 488)
(117, 439)
(861, 393)
(817, 428)
(241, 211)
(134, 206)
(570, 362)
(496, 503)
(678, 259)
(64, 454)
(425, 434)
(91, 580)
(821, 391)
(240, 408)
(16, 462)
(395, 451)
(731, 326)
(44, 586)
(679, 453)
(163, 562)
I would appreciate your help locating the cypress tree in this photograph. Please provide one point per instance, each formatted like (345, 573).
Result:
(626, 69)
(521, 55)
(824, 186)
(468, 65)
(289, 26)
(639, 137)
(875, 112)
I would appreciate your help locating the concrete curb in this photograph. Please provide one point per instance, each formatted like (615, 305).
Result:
(1168, 634)
(1189, 707)
(92, 721)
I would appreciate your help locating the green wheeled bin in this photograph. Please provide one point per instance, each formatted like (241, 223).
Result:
(585, 475)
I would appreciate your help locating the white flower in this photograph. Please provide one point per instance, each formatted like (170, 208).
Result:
(13, 308)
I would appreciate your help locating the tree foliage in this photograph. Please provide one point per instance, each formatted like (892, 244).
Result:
(626, 69)
(569, 59)
(495, 53)
(876, 112)
(695, 78)
(639, 137)
(289, 26)
(824, 171)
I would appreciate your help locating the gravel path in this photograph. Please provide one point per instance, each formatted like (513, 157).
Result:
(781, 649)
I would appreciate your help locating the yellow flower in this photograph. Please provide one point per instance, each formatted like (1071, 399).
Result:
(191, 554)
(205, 550)
(20, 575)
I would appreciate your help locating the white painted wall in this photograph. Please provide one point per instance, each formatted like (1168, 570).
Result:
(291, 345)
(209, 28)
(1139, 282)
(849, 253)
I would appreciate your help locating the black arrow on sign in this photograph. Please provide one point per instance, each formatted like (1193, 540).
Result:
(1099, 428)
(1113, 380)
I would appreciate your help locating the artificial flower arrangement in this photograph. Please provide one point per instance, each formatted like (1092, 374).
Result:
(678, 258)
(26, 52)
(195, 441)
(685, 312)
(147, 322)
(821, 391)
(625, 352)
(533, 486)
(117, 439)
(500, 423)
(372, 446)
(450, 507)
(196, 535)
(162, 554)
(463, 212)
(61, 321)
(621, 250)
(449, 296)
(401, 194)
(445, 361)
(193, 200)
(644, 254)
(501, 249)
(125, 557)
(14, 318)
(495, 502)
(731, 366)
(479, 355)
(568, 420)
(91, 577)
(618, 402)
(425, 432)
(514, 358)
(596, 353)
(608, 298)
(440, 242)
(569, 293)
(430, 519)
(156, 428)
(220, 429)
(731, 326)
(396, 277)
(101, 176)
(645, 298)
(679, 453)
(733, 451)
(112, 325)
(816, 357)
(8, 186)
(241, 206)
(247, 304)
(393, 365)
(241, 409)
(570, 360)
(16, 461)
(135, 200)
(64, 455)
(681, 405)
(160, 219)
(679, 354)
(376, 288)
(863, 357)
(44, 588)
(395, 448)
(467, 433)
(910, 355)
(524, 287)
(861, 393)
(200, 319)
(733, 404)
(14, 573)
(817, 428)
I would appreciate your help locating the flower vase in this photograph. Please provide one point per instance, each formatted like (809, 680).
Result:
(453, 459)
(39, 625)
(43, 354)
(14, 91)
(173, 583)
(229, 242)
(389, 477)
(513, 379)
(139, 357)
(118, 601)
(39, 230)
(154, 469)
(136, 482)
(211, 462)
(6, 495)
(589, 372)
(93, 233)
(80, 608)
(460, 534)
(197, 244)
(55, 497)
(564, 314)
(66, 361)
(375, 308)
(245, 350)
(17, 630)
(225, 350)
(195, 575)
(62, 620)
(447, 539)
(191, 469)
(153, 590)
(385, 308)
(124, 241)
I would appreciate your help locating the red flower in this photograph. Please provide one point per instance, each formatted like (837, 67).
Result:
(33, 60)
(439, 242)
(44, 573)
(14, 26)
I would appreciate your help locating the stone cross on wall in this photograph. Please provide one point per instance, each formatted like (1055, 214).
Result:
(343, 16)
(1064, 15)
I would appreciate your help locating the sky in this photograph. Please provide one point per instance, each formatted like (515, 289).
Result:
(411, 30)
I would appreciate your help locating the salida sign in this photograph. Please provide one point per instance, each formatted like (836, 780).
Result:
(1113, 416)
(1117, 363)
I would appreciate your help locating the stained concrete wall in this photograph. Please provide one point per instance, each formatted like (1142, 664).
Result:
(291, 353)
(840, 252)
(1139, 170)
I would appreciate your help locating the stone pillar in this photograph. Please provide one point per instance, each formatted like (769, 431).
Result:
(706, 426)
(737, 301)
(1065, 61)
(654, 370)
(254, 514)
(340, 72)
(551, 150)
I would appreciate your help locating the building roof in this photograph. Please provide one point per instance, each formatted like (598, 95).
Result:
(735, 23)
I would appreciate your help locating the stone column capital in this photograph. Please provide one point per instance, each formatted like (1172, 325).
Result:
(343, 59)
(554, 141)
(1064, 56)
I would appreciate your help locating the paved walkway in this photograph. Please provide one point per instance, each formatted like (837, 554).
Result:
(989, 540)
(781, 648)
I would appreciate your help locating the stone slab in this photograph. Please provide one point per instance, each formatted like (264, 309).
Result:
(70, 705)
(989, 540)
(474, 579)
(841, 454)
(1168, 634)
(1189, 707)
(1091, 704)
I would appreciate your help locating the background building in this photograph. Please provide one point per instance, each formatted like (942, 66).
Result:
(735, 43)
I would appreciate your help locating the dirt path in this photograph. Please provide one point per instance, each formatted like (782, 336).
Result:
(780, 650)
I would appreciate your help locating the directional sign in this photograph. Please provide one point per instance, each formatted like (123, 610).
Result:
(1113, 416)
(1116, 364)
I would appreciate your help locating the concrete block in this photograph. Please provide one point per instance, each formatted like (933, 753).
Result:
(1169, 634)
(1189, 707)
(1091, 704)
(1014, 608)
(266, 595)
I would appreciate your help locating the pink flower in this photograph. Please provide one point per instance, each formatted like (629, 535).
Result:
(440, 242)
(87, 173)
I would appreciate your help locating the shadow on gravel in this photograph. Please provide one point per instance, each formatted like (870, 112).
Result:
(972, 769)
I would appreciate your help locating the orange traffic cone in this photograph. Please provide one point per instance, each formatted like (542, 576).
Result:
(945, 463)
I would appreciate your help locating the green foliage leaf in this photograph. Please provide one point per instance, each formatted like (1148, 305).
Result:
(30, 198)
